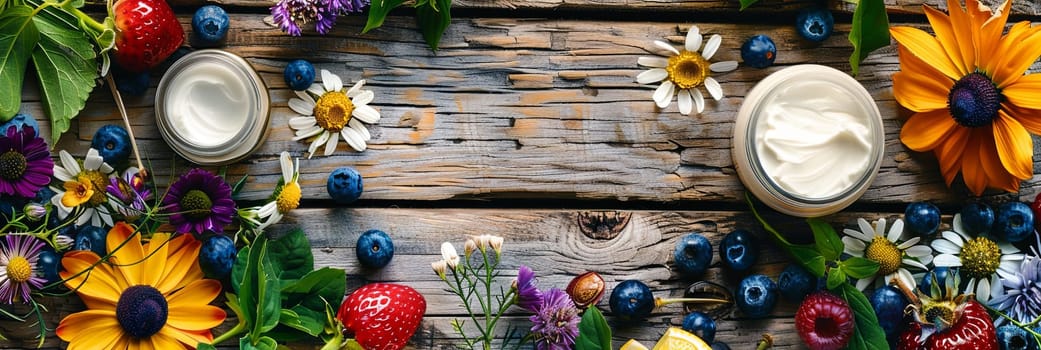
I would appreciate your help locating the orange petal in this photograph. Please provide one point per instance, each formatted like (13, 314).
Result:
(1030, 118)
(1014, 146)
(198, 292)
(190, 338)
(1015, 35)
(195, 318)
(920, 93)
(997, 176)
(163, 342)
(925, 130)
(949, 154)
(79, 323)
(154, 268)
(124, 244)
(140, 344)
(963, 27)
(100, 282)
(183, 265)
(927, 48)
(990, 34)
(971, 168)
(1025, 92)
(1019, 56)
(945, 35)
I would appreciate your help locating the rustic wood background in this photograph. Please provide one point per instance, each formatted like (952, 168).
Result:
(528, 124)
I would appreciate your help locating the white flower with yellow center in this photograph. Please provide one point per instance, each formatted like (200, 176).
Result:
(286, 196)
(981, 260)
(330, 113)
(89, 183)
(682, 71)
(893, 254)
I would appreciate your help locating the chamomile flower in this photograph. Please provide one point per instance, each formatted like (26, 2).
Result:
(329, 112)
(682, 71)
(286, 196)
(893, 254)
(84, 187)
(981, 260)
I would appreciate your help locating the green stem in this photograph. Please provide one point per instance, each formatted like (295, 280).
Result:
(90, 22)
(238, 329)
(766, 343)
(488, 323)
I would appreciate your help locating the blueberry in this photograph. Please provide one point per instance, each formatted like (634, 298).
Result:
(739, 250)
(91, 238)
(217, 256)
(1014, 222)
(815, 24)
(796, 283)
(114, 145)
(131, 83)
(922, 218)
(720, 346)
(374, 249)
(757, 296)
(977, 218)
(344, 185)
(700, 325)
(889, 303)
(940, 274)
(759, 51)
(693, 254)
(49, 264)
(631, 300)
(20, 121)
(53, 222)
(299, 75)
(1011, 337)
(210, 25)
(44, 195)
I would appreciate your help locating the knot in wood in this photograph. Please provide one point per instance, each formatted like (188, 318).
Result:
(603, 225)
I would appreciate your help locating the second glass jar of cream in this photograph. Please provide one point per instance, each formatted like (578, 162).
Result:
(808, 140)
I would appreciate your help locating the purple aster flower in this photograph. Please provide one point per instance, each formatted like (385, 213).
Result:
(131, 192)
(18, 270)
(1022, 298)
(199, 201)
(555, 323)
(528, 296)
(291, 14)
(25, 162)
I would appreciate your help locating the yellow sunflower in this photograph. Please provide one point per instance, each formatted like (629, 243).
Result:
(975, 109)
(138, 300)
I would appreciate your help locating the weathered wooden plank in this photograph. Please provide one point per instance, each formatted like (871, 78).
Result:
(557, 244)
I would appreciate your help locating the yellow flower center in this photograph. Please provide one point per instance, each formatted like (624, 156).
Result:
(333, 111)
(19, 270)
(289, 198)
(940, 312)
(980, 257)
(99, 181)
(885, 253)
(687, 70)
(196, 204)
(77, 191)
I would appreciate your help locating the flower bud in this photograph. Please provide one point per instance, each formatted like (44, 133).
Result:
(449, 254)
(35, 211)
(439, 268)
(469, 247)
(63, 242)
(496, 243)
(586, 289)
(482, 242)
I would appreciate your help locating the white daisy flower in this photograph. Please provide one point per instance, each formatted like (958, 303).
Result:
(981, 260)
(286, 196)
(683, 70)
(329, 112)
(96, 210)
(891, 251)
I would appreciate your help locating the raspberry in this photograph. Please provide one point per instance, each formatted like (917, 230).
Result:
(824, 321)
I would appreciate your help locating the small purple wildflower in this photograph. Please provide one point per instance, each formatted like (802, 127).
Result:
(528, 295)
(131, 192)
(555, 323)
(291, 14)
(19, 274)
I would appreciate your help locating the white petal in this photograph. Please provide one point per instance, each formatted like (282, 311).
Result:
(1010, 266)
(93, 160)
(663, 95)
(983, 290)
(316, 89)
(85, 217)
(863, 283)
(995, 287)
(946, 260)
(654, 62)
(856, 234)
(360, 128)
(366, 114)
(868, 232)
(1011, 281)
(287, 166)
(954, 238)
(894, 234)
(699, 101)
(652, 76)
(105, 216)
(906, 278)
(305, 133)
(69, 163)
(331, 81)
(667, 46)
(880, 227)
(945, 247)
(330, 146)
(317, 143)
(957, 226)
(914, 263)
(919, 250)
(353, 139)
(898, 226)
(713, 88)
(908, 243)
(711, 46)
(926, 259)
(854, 246)
(306, 97)
(301, 106)
(685, 102)
(356, 88)
(363, 97)
(300, 123)
(1007, 248)
(62, 174)
(693, 42)
(1016, 258)
(723, 66)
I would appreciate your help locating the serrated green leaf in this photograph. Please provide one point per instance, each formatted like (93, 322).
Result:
(18, 37)
(870, 31)
(433, 20)
(826, 239)
(746, 3)
(836, 277)
(291, 255)
(378, 10)
(867, 334)
(858, 267)
(66, 64)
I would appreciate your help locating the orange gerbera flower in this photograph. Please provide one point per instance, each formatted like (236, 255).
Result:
(974, 107)
(149, 296)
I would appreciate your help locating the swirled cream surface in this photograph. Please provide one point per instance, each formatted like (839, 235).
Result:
(208, 104)
(812, 139)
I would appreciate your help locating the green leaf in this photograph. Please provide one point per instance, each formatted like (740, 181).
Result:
(303, 319)
(858, 267)
(18, 36)
(809, 258)
(826, 239)
(378, 11)
(593, 331)
(433, 20)
(240, 184)
(746, 3)
(291, 255)
(870, 30)
(268, 299)
(263, 343)
(315, 288)
(239, 269)
(248, 289)
(353, 345)
(205, 346)
(836, 277)
(66, 66)
(867, 334)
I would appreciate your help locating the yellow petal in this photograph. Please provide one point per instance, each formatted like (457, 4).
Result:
(129, 254)
(971, 170)
(163, 342)
(998, 60)
(1030, 118)
(925, 130)
(101, 282)
(1019, 56)
(140, 344)
(195, 293)
(918, 92)
(183, 265)
(963, 31)
(190, 338)
(927, 48)
(990, 35)
(78, 323)
(997, 176)
(195, 318)
(945, 35)
(949, 154)
(1014, 146)
(1025, 92)
(154, 268)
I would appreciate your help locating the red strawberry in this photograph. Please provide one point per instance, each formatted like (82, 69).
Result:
(824, 321)
(972, 330)
(382, 316)
(147, 32)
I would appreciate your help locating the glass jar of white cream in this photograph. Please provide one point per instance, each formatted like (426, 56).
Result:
(808, 140)
(212, 108)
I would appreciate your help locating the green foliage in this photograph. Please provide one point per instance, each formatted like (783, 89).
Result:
(66, 62)
(432, 17)
(870, 31)
(291, 256)
(746, 3)
(828, 243)
(18, 36)
(867, 334)
(593, 331)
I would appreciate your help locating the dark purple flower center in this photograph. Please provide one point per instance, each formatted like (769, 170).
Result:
(141, 311)
(12, 165)
(196, 204)
(974, 100)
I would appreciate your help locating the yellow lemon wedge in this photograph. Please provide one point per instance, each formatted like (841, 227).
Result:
(678, 339)
(632, 344)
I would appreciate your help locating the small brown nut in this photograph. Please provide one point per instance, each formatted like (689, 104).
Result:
(586, 289)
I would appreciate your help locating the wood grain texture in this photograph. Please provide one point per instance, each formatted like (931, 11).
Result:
(551, 242)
